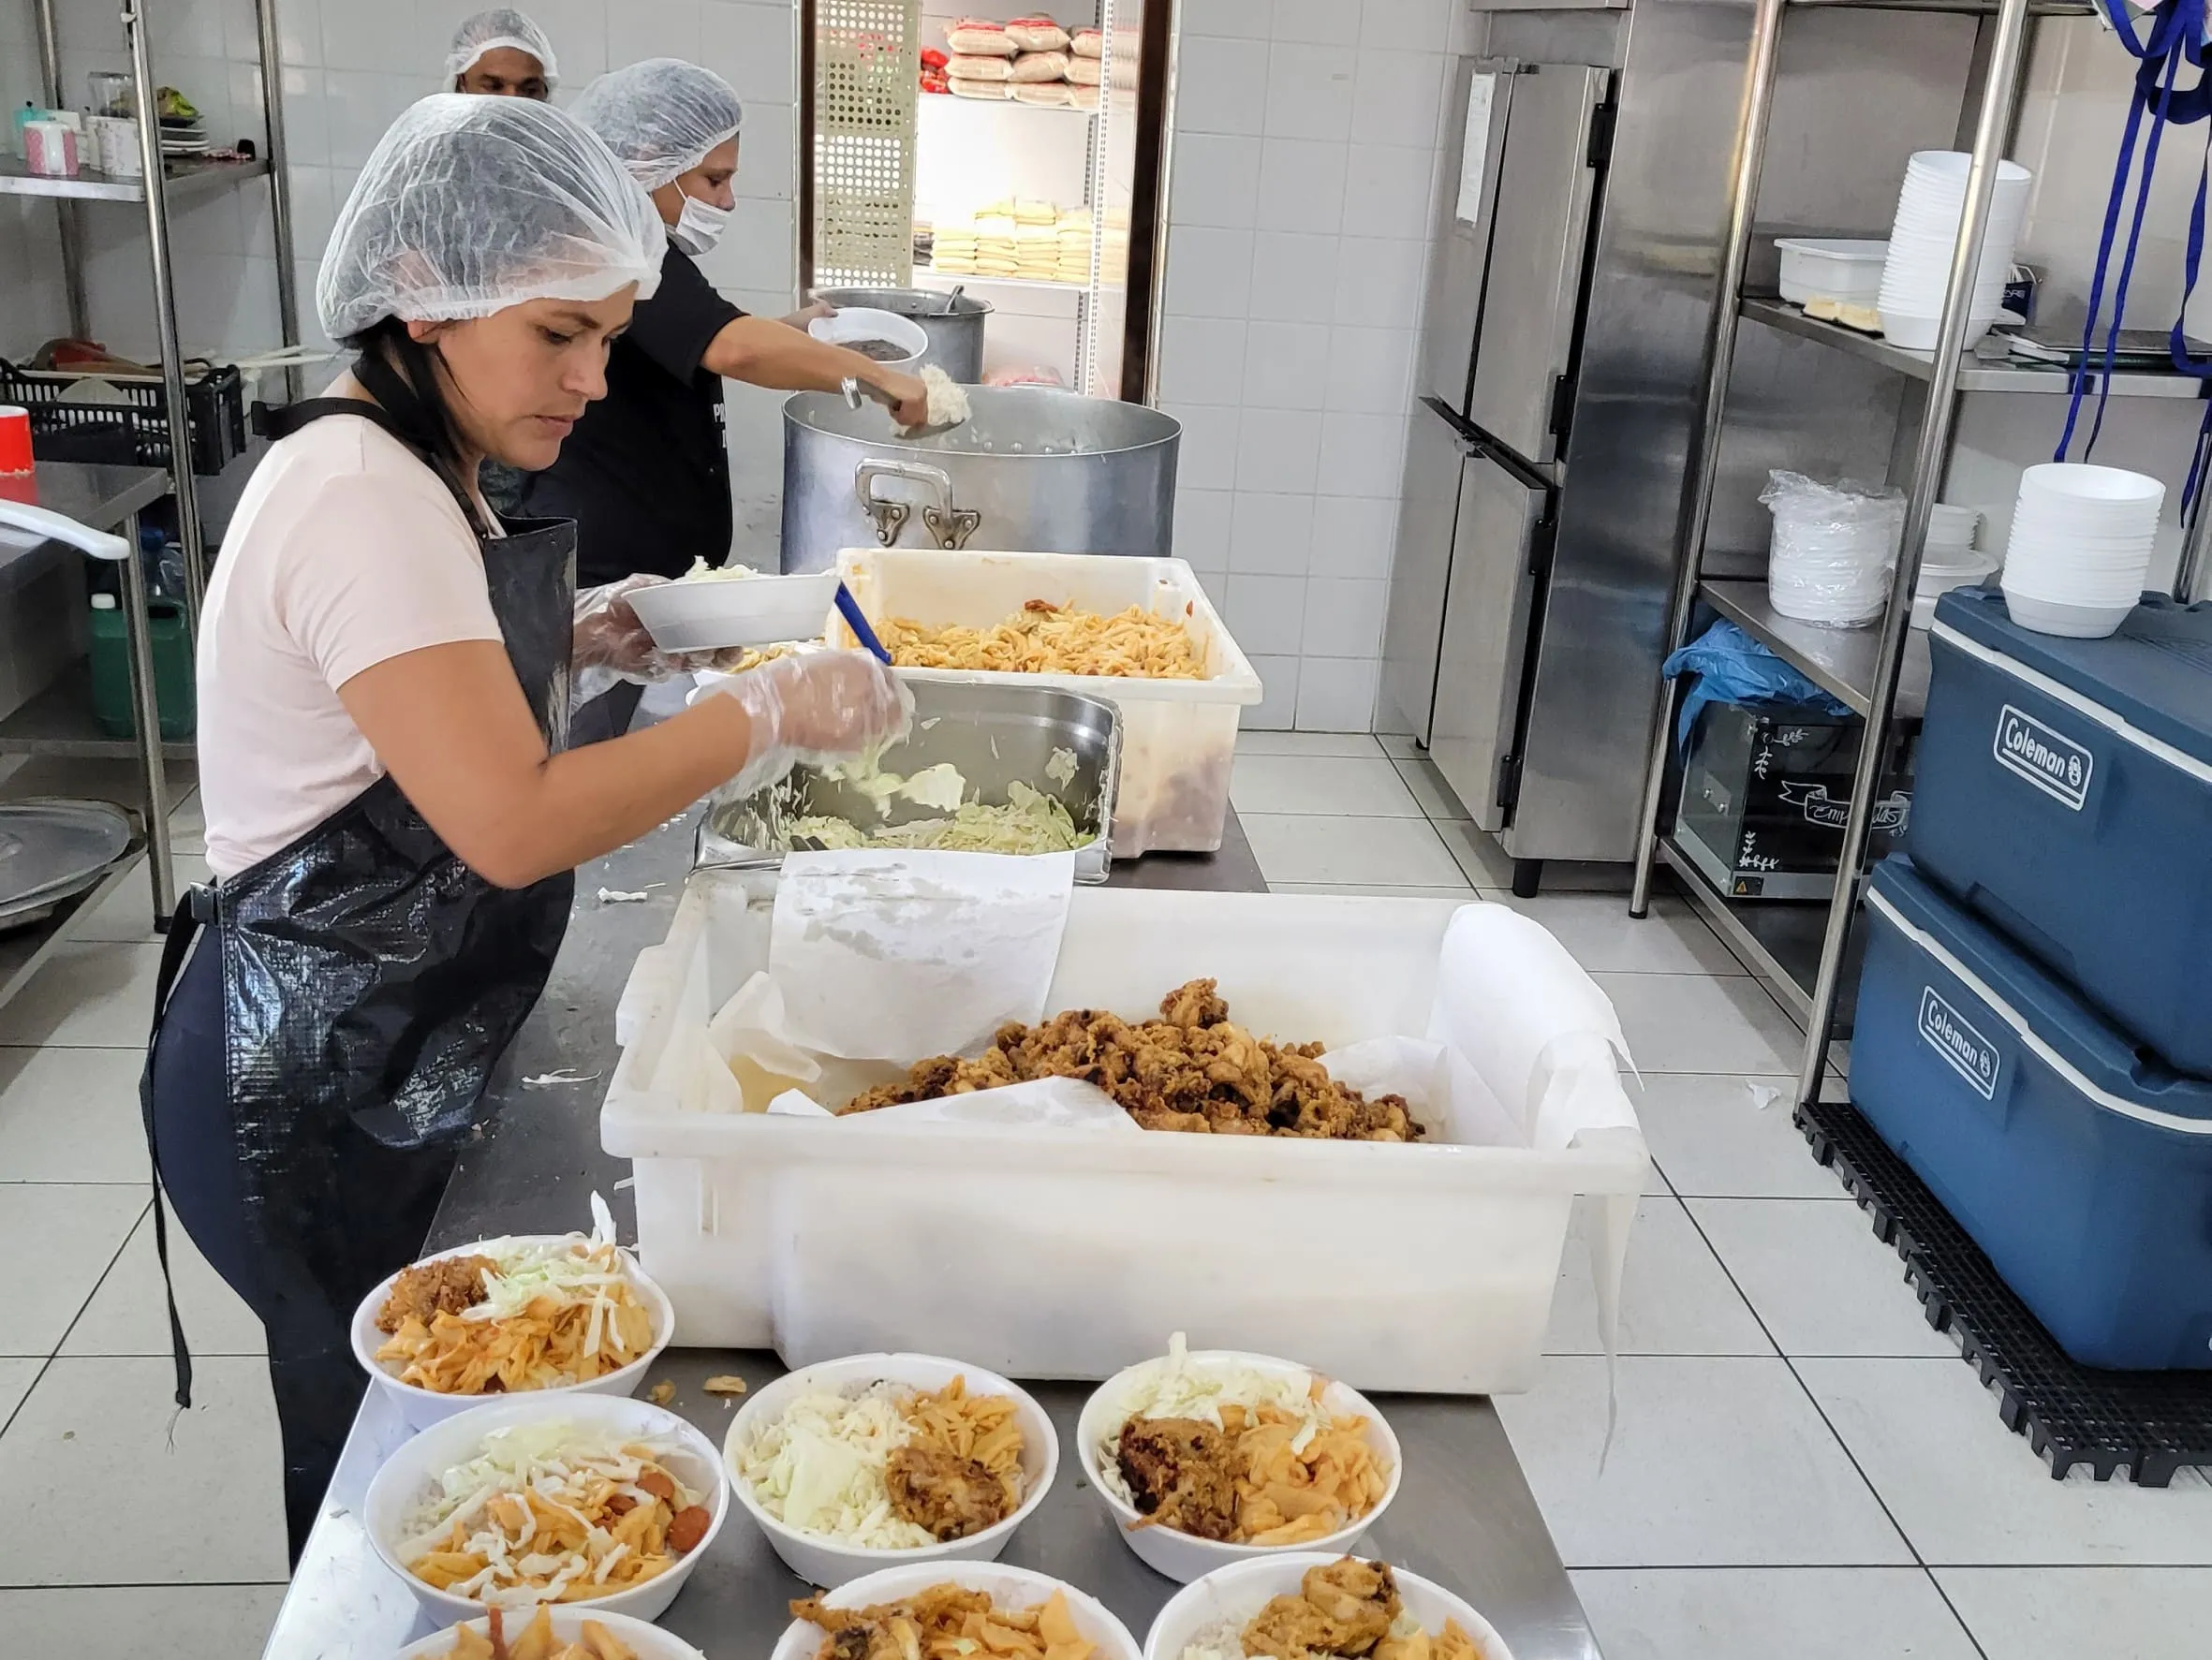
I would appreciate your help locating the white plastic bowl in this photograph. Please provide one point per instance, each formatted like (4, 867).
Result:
(822, 1560)
(647, 1642)
(410, 1473)
(2067, 621)
(1847, 269)
(1012, 1588)
(1917, 333)
(422, 1407)
(711, 615)
(1241, 1590)
(1184, 1557)
(864, 322)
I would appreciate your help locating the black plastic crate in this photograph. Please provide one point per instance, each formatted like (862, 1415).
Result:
(131, 428)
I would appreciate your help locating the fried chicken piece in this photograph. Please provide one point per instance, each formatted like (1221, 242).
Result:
(1191, 1071)
(1182, 1473)
(949, 1496)
(429, 1289)
(1342, 1607)
(1194, 1004)
(892, 1630)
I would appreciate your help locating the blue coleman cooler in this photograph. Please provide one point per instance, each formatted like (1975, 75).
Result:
(2065, 794)
(2082, 1167)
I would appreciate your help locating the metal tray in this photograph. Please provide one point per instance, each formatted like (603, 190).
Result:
(995, 735)
(54, 850)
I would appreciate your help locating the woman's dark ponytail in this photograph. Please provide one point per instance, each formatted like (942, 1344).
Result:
(401, 374)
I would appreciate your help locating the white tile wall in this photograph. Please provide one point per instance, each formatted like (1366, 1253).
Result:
(1305, 145)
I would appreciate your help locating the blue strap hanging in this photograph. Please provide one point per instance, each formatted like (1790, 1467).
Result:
(2175, 35)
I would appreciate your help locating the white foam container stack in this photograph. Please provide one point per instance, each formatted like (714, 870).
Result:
(1064, 1254)
(1178, 737)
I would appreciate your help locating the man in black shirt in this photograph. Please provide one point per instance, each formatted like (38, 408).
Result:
(646, 473)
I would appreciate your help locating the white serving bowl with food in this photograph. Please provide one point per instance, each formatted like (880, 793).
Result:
(714, 609)
(1277, 1397)
(818, 1484)
(1012, 1589)
(1205, 1619)
(548, 1267)
(601, 1457)
(898, 341)
(637, 1638)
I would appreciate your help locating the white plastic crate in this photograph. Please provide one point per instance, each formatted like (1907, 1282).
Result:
(1178, 737)
(1057, 1254)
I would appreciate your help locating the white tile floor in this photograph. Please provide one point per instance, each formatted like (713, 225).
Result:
(1801, 1468)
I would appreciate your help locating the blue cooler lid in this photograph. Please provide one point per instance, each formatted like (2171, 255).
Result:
(2018, 988)
(2156, 673)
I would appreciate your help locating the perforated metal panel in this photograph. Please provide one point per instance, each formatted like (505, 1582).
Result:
(867, 62)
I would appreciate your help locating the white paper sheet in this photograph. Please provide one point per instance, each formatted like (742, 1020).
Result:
(893, 955)
(1475, 148)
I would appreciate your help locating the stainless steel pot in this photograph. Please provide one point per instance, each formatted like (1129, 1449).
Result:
(956, 337)
(1032, 470)
(1063, 745)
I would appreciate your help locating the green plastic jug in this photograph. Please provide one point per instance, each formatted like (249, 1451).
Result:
(174, 690)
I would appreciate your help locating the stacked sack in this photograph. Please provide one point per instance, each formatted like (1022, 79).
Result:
(2034, 1024)
(1027, 60)
(952, 245)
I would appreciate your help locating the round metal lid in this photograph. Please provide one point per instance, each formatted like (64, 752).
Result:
(54, 847)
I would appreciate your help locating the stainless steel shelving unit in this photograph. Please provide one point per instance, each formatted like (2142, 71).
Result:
(164, 179)
(1881, 673)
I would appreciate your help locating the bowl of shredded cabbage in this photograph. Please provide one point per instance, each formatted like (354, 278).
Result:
(597, 1502)
(1211, 1457)
(541, 1313)
(880, 1460)
(1320, 1606)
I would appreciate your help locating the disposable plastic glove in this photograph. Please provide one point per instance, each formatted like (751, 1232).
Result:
(813, 707)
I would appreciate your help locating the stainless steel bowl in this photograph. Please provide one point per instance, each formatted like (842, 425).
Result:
(995, 735)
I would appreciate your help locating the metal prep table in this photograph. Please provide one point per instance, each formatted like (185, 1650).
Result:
(1464, 1518)
(58, 720)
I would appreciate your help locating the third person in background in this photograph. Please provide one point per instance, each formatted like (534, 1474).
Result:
(501, 53)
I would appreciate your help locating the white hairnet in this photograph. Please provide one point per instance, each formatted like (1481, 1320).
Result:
(471, 205)
(660, 117)
(488, 31)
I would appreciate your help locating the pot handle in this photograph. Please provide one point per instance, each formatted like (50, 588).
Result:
(952, 526)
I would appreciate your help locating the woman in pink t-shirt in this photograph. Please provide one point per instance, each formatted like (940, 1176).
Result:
(384, 686)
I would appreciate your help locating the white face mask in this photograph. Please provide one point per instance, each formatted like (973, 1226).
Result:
(699, 227)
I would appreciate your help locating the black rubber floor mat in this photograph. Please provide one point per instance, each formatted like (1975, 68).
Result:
(2146, 1424)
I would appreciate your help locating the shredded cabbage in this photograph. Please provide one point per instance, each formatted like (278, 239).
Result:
(563, 1463)
(820, 1468)
(1029, 822)
(701, 571)
(1176, 1386)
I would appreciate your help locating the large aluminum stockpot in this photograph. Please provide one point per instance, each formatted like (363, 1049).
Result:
(1032, 470)
(955, 336)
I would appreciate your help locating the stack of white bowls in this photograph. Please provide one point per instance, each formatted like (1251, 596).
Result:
(1924, 236)
(1947, 559)
(1835, 551)
(2081, 547)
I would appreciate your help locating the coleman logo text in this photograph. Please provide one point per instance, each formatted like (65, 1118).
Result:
(1972, 1056)
(2057, 766)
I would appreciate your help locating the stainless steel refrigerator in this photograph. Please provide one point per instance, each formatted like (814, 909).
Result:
(1578, 215)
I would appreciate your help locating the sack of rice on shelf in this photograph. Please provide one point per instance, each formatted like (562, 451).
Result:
(980, 36)
(1037, 32)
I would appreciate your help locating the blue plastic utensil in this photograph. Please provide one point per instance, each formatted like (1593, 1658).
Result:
(850, 609)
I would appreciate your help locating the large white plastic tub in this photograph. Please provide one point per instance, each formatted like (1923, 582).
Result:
(1178, 737)
(1060, 1254)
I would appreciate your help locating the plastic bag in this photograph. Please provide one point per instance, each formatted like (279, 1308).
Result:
(1732, 668)
(1835, 548)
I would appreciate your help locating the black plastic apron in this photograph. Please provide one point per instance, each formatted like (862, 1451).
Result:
(371, 980)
